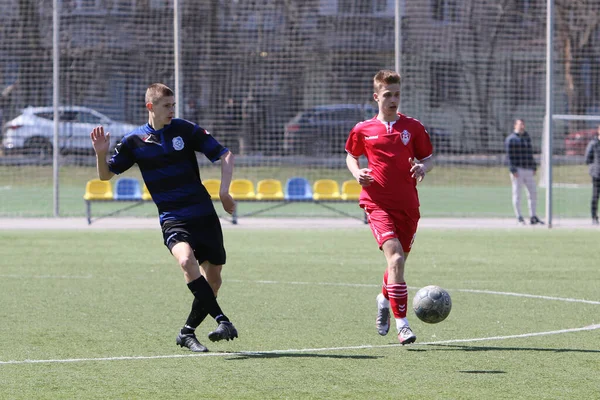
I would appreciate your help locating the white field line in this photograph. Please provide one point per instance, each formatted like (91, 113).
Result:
(292, 351)
(532, 296)
(18, 276)
(268, 282)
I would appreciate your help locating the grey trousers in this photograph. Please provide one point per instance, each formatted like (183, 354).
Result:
(525, 177)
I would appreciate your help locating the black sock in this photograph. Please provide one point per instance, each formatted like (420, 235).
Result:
(202, 292)
(196, 316)
(186, 330)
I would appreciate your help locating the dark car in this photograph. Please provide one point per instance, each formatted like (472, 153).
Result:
(576, 142)
(324, 129)
(441, 139)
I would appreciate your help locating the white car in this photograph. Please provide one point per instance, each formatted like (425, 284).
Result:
(32, 132)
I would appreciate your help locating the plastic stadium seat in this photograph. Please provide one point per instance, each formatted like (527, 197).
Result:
(95, 189)
(326, 189)
(146, 194)
(298, 188)
(212, 186)
(128, 189)
(269, 189)
(351, 190)
(242, 189)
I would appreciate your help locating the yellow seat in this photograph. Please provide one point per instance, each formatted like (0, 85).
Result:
(351, 190)
(269, 189)
(242, 189)
(326, 189)
(95, 189)
(213, 187)
(146, 193)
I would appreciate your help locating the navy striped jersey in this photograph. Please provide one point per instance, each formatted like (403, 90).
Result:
(167, 160)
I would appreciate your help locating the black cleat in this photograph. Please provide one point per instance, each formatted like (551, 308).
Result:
(225, 330)
(595, 221)
(189, 340)
(535, 220)
(520, 221)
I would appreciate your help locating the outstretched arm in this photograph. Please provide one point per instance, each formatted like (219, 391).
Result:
(226, 175)
(362, 175)
(101, 144)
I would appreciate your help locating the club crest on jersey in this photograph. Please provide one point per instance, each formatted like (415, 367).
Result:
(178, 143)
(405, 137)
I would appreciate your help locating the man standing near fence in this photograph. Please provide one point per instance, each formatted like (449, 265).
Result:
(592, 159)
(165, 151)
(522, 166)
(399, 153)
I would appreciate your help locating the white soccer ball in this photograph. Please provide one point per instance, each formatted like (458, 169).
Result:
(432, 304)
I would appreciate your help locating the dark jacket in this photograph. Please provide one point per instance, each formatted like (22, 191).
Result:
(592, 157)
(519, 152)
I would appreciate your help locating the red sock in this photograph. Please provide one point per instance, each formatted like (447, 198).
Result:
(384, 286)
(398, 298)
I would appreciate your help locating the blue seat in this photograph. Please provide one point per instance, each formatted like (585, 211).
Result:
(298, 188)
(128, 189)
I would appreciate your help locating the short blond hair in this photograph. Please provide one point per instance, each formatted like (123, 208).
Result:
(157, 91)
(385, 77)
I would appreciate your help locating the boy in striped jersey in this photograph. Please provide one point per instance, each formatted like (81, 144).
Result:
(165, 151)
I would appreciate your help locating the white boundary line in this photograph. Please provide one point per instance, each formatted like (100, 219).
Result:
(324, 349)
(531, 296)
(366, 285)
(291, 351)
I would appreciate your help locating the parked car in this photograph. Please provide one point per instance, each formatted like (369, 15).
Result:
(32, 132)
(576, 142)
(324, 129)
(441, 139)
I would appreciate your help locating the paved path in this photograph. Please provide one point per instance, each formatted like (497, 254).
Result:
(283, 223)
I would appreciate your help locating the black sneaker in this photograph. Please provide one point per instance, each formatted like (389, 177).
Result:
(520, 221)
(189, 340)
(536, 220)
(225, 330)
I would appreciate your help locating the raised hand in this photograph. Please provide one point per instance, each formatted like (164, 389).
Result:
(100, 140)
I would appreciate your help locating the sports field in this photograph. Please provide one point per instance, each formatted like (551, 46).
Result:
(93, 315)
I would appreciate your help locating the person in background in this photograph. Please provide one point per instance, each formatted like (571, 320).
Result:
(522, 168)
(592, 159)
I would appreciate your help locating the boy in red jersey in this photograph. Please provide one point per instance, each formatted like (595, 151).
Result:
(399, 153)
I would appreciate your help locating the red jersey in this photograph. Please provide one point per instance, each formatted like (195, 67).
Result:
(388, 146)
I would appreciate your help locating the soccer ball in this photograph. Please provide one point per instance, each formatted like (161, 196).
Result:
(432, 304)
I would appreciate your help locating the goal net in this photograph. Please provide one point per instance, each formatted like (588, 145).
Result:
(281, 82)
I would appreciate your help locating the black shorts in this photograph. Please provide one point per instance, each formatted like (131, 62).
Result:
(203, 234)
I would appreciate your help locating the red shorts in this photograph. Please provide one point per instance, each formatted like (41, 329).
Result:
(399, 224)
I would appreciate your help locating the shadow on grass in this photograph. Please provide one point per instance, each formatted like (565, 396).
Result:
(447, 347)
(483, 371)
(245, 356)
